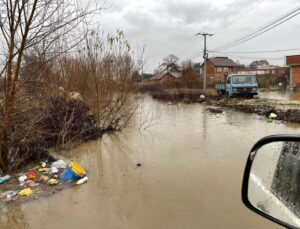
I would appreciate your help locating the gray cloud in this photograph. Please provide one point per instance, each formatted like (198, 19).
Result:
(169, 26)
(189, 12)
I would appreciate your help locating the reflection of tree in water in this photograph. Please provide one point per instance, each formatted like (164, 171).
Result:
(286, 181)
(12, 217)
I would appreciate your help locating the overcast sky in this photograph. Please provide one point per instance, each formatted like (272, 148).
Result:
(169, 27)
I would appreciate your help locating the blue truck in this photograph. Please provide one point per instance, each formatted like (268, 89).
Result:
(238, 85)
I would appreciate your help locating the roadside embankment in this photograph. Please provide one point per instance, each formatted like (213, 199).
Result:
(286, 111)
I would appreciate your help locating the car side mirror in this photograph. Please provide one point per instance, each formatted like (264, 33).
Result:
(271, 184)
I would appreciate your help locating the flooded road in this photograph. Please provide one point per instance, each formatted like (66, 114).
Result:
(191, 170)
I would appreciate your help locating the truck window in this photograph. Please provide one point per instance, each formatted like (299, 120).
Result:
(228, 80)
(243, 79)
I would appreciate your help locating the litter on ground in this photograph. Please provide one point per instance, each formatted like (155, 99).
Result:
(44, 180)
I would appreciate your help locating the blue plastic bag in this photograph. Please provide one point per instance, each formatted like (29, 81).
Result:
(68, 175)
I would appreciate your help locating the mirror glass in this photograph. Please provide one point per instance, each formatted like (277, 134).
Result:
(274, 182)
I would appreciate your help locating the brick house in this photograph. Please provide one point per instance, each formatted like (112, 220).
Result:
(294, 63)
(217, 68)
(162, 78)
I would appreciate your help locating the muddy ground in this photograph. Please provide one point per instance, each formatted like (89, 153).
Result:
(285, 110)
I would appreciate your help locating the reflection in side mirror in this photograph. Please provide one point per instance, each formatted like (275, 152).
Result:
(272, 186)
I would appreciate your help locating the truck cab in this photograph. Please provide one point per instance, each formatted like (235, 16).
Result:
(238, 85)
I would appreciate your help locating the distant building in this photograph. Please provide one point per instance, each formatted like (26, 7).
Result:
(217, 68)
(172, 68)
(294, 63)
(280, 71)
(259, 64)
(162, 78)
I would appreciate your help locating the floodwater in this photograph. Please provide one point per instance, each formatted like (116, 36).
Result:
(287, 95)
(190, 176)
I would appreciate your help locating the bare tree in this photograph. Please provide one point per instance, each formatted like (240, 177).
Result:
(103, 73)
(26, 24)
(170, 60)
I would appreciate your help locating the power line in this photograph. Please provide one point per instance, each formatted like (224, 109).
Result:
(191, 57)
(266, 51)
(262, 29)
(246, 11)
(249, 57)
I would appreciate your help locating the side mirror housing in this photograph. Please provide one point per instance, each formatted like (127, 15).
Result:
(271, 184)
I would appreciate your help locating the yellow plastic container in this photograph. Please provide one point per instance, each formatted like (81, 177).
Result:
(26, 192)
(76, 168)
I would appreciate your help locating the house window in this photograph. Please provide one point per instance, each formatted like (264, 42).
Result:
(226, 69)
(219, 69)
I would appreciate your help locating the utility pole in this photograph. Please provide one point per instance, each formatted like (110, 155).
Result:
(205, 56)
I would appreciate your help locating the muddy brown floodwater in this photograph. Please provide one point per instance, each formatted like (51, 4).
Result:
(190, 176)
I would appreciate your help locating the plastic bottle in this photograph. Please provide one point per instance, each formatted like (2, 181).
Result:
(82, 180)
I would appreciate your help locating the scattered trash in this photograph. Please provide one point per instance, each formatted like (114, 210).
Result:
(26, 192)
(43, 169)
(60, 164)
(68, 175)
(10, 195)
(202, 96)
(29, 183)
(52, 182)
(10, 198)
(138, 164)
(6, 177)
(31, 175)
(22, 178)
(41, 181)
(52, 170)
(269, 120)
(82, 180)
(272, 116)
(72, 172)
(170, 103)
(4, 194)
(44, 178)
